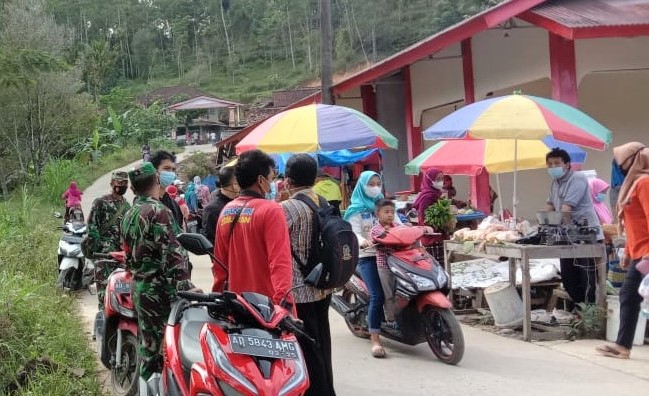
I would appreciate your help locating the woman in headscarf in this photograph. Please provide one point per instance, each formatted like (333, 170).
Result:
(202, 192)
(598, 189)
(430, 192)
(72, 197)
(633, 212)
(361, 215)
(191, 198)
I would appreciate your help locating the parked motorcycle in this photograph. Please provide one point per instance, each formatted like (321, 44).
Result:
(422, 310)
(229, 344)
(116, 329)
(75, 272)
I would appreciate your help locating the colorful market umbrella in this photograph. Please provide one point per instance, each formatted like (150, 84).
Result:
(317, 127)
(494, 155)
(521, 117)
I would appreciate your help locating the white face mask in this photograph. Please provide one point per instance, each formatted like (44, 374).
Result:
(373, 191)
(438, 185)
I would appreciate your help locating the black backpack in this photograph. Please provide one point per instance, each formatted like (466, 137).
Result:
(333, 244)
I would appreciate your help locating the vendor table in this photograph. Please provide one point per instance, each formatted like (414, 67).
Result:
(521, 255)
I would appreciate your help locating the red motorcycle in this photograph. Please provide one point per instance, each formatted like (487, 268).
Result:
(116, 329)
(229, 344)
(422, 310)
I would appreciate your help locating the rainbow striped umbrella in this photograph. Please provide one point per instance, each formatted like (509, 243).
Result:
(494, 155)
(317, 127)
(521, 117)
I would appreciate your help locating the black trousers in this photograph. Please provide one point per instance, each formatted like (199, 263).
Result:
(315, 316)
(630, 301)
(579, 278)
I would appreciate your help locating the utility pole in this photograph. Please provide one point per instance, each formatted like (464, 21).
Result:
(327, 51)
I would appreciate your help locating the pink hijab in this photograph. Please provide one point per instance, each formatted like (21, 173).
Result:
(72, 195)
(428, 194)
(598, 186)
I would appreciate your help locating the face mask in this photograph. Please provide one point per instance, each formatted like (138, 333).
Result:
(438, 185)
(167, 178)
(556, 172)
(600, 197)
(373, 191)
(120, 190)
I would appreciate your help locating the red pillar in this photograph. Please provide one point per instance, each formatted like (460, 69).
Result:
(413, 133)
(479, 184)
(368, 97)
(563, 70)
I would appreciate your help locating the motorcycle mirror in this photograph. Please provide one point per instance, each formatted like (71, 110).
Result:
(314, 276)
(196, 243)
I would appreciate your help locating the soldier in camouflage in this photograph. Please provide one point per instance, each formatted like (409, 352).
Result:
(104, 230)
(157, 261)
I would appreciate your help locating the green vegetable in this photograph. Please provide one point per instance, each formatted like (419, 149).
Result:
(439, 216)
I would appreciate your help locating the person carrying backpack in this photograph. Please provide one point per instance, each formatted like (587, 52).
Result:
(312, 303)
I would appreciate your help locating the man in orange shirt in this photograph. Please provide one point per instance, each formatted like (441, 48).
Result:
(252, 238)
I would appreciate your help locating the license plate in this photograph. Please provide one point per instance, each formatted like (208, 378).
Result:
(122, 287)
(263, 347)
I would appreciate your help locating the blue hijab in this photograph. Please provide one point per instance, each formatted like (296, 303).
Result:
(360, 201)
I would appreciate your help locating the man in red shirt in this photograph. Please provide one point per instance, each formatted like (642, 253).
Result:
(252, 238)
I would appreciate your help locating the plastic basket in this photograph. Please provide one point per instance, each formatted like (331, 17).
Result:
(616, 275)
(436, 249)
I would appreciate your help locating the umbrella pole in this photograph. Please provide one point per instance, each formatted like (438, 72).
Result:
(500, 197)
(515, 195)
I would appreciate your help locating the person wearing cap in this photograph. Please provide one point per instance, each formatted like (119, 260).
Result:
(104, 230)
(159, 264)
(329, 189)
(229, 190)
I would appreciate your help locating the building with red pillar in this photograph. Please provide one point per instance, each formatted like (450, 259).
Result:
(593, 54)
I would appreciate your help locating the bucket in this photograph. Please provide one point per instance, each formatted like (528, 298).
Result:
(613, 322)
(505, 304)
(616, 274)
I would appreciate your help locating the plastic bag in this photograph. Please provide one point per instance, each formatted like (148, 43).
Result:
(644, 292)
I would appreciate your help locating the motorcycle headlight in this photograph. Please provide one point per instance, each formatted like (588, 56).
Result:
(421, 282)
(297, 378)
(221, 359)
(119, 308)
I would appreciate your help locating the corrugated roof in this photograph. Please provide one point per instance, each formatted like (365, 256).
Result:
(577, 14)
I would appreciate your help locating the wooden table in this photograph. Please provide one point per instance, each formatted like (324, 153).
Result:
(521, 255)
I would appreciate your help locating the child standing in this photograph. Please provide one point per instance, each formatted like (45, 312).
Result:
(385, 214)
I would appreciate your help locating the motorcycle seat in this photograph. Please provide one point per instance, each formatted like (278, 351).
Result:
(190, 328)
(72, 239)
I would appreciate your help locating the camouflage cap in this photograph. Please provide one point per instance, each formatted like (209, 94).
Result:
(119, 176)
(146, 169)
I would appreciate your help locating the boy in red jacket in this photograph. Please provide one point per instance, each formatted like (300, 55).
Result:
(252, 238)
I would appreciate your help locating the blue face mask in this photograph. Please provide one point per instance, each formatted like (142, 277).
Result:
(556, 172)
(167, 178)
(600, 197)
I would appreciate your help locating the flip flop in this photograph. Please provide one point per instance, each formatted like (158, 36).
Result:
(378, 351)
(610, 351)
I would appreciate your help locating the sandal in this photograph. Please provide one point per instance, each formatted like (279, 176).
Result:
(378, 351)
(611, 351)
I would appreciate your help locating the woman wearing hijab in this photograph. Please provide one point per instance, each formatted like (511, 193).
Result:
(598, 189)
(361, 215)
(633, 212)
(202, 192)
(191, 198)
(430, 192)
(72, 197)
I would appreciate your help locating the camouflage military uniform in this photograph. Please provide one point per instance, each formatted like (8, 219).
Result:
(160, 267)
(103, 230)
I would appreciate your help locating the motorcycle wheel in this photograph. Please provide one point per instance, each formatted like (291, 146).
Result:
(444, 335)
(356, 329)
(66, 279)
(124, 380)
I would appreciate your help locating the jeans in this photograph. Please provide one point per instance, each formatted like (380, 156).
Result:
(579, 278)
(630, 301)
(370, 274)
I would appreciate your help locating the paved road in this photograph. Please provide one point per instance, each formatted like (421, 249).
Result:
(492, 365)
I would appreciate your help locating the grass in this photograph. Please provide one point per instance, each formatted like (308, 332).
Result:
(39, 326)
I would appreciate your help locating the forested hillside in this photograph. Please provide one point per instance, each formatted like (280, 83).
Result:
(240, 48)
(71, 70)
